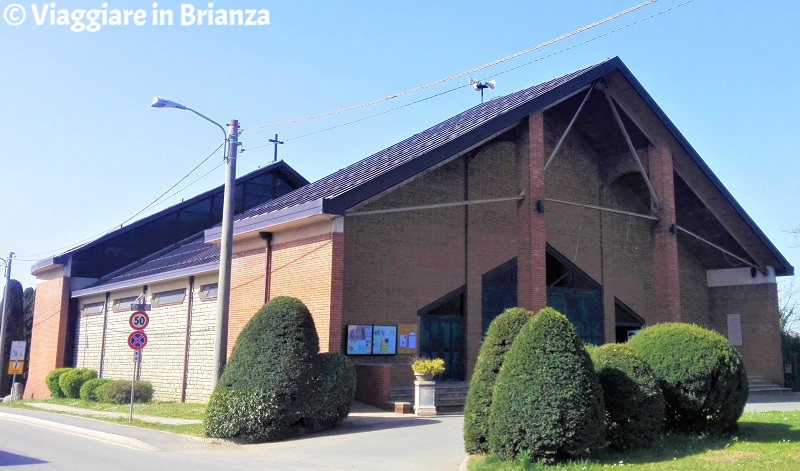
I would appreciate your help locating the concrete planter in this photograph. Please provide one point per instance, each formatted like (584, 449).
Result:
(424, 398)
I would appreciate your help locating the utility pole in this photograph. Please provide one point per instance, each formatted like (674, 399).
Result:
(226, 255)
(4, 319)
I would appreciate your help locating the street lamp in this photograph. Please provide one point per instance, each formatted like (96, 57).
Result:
(226, 244)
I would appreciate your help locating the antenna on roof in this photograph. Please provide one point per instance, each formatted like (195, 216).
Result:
(481, 86)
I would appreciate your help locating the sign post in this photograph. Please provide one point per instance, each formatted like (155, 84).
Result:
(16, 360)
(137, 341)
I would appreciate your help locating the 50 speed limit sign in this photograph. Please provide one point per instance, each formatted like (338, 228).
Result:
(139, 320)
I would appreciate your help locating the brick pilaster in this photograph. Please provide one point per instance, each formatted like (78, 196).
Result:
(666, 280)
(50, 315)
(532, 282)
(337, 292)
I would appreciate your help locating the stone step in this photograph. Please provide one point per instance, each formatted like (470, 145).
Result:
(450, 397)
(760, 385)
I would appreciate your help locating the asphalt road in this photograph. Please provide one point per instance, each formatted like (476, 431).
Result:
(32, 441)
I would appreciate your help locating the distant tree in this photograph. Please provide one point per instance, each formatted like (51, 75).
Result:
(788, 304)
(15, 329)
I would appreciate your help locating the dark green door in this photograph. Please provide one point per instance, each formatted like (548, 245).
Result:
(442, 338)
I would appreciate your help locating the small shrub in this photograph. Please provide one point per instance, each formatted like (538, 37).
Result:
(71, 381)
(428, 366)
(51, 380)
(632, 397)
(119, 392)
(335, 393)
(91, 388)
(702, 376)
(502, 332)
(547, 400)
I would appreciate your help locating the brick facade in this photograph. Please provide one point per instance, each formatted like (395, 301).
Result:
(49, 331)
(248, 274)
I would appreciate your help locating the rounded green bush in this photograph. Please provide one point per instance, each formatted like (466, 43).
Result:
(119, 391)
(51, 380)
(547, 403)
(71, 381)
(502, 332)
(632, 397)
(700, 373)
(336, 389)
(276, 385)
(89, 390)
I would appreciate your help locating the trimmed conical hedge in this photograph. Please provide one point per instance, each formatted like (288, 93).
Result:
(547, 399)
(632, 397)
(502, 332)
(701, 374)
(276, 385)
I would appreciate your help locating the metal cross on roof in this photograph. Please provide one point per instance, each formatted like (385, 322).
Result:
(276, 142)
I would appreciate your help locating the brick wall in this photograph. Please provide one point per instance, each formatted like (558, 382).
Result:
(758, 307)
(694, 290)
(89, 336)
(302, 268)
(118, 356)
(248, 273)
(49, 330)
(201, 343)
(665, 256)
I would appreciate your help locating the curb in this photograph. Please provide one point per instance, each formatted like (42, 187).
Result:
(94, 434)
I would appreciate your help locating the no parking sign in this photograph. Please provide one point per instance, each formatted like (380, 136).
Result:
(137, 340)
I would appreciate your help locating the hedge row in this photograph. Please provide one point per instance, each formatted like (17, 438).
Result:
(83, 383)
(537, 392)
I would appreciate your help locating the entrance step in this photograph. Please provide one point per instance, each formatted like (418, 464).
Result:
(450, 396)
(760, 385)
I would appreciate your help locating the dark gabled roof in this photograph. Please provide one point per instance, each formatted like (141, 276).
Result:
(142, 238)
(356, 183)
(188, 257)
(390, 166)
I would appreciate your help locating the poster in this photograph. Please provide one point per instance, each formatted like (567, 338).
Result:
(384, 339)
(359, 339)
(407, 343)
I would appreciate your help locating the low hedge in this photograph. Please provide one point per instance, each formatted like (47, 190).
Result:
(701, 374)
(51, 380)
(119, 392)
(632, 397)
(71, 381)
(502, 332)
(91, 389)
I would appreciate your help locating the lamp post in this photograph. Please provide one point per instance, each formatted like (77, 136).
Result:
(226, 243)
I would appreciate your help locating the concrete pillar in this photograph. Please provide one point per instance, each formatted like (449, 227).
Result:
(532, 281)
(666, 282)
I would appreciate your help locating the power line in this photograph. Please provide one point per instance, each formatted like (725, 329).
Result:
(459, 75)
(485, 78)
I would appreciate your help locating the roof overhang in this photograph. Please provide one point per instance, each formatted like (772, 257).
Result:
(48, 264)
(170, 275)
(293, 216)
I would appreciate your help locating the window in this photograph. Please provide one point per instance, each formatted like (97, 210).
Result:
(166, 298)
(573, 293)
(627, 322)
(208, 292)
(499, 292)
(92, 309)
(124, 304)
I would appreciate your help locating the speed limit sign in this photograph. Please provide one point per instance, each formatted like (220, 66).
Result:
(139, 320)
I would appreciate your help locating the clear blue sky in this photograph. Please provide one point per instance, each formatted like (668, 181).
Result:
(82, 150)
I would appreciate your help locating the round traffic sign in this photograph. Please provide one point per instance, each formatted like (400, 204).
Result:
(139, 320)
(137, 340)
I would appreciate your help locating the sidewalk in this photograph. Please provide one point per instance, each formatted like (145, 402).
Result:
(773, 402)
